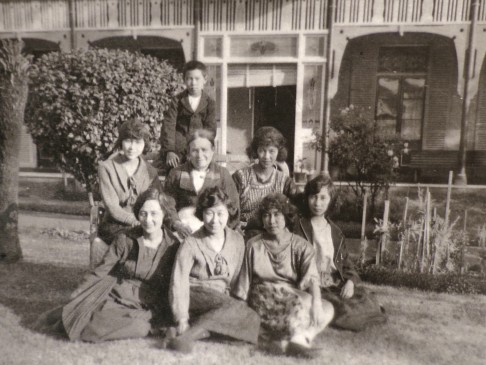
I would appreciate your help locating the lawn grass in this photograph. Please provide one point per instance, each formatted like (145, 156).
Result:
(424, 328)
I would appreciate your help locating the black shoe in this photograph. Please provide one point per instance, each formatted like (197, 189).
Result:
(180, 345)
(297, 350)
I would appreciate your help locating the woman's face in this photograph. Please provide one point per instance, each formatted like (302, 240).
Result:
(215, 218)
(273, 222)
(132, 147)
(151, 216)
(318, 203)
(267, 155)
(201, 153)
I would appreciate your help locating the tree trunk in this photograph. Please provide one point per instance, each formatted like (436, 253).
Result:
(13, 98)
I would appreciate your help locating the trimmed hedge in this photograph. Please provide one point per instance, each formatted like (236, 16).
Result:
(78, 100)
(441, 283)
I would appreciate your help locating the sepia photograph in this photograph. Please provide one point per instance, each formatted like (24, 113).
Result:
(242, 182)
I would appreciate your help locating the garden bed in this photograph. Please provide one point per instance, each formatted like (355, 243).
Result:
(440, 283)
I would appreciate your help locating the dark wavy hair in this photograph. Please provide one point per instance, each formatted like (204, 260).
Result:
(314, 187)
(211, 197)
(194, 65)
(282, 204)
(201, 133)
(133, 129)
(268, 136)
(151, 194)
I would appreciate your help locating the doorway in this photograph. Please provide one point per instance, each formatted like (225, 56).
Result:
(255, 107)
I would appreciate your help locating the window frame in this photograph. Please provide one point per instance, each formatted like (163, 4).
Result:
(401, 76)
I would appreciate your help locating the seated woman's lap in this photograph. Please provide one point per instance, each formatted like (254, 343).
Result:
(222, 314)
(204, 299)
(115, 321)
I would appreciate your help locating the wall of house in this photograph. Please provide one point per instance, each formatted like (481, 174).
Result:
(357, 83)
(480, 112)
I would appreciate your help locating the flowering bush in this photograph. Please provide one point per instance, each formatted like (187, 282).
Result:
(367, 160)
(79, 98)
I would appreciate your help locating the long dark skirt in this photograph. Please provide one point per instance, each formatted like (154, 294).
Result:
(221, 314)
(356, 313)
(97, 315)
(114, 321)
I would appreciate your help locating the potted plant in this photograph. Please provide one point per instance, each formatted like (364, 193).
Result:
(300, 174)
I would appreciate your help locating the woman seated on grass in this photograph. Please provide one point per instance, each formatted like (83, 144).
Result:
(279, 279)
(123, 177)
(126, 296)
(355, 307)
(259, 180)
(205, 270)
(185, 183)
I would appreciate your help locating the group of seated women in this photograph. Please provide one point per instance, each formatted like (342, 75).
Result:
(178, 263)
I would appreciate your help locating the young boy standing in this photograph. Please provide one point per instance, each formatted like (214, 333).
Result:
(191, 109)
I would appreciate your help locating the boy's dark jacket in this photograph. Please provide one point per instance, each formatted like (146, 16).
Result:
(343, 263)
(180, 119)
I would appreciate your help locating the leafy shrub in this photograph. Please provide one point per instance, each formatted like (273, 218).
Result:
(367, 160)
(442, 283)
(79, 98)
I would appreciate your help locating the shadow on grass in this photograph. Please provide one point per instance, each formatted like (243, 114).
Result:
(30, 289)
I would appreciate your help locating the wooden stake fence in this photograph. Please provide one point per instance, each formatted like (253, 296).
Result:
(363, 219)
(447, 210)
(364, 241)
(382, 242)
(448, 200)
(405, 239)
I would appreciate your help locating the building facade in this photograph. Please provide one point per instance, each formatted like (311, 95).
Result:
(419, 65)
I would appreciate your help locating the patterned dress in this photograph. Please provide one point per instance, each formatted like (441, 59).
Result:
(252, 191)
(275, 279)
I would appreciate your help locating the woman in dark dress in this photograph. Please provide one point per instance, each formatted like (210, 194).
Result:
(126, 296)
(186, 182)
(355, 307)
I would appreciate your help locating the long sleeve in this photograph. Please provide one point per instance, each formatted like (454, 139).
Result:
(307, 270)
(349, 271)
(238, 242)
(170, 190)
(242, 287)
(179, 293)
(237, 178)
(111, 199)
(210, 121)
(169, 203)
(230, 188)
(170, 187)
(168, 132)
(117, 251)
(290, 190)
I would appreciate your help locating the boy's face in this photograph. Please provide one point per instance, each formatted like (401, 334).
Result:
(195, 81)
